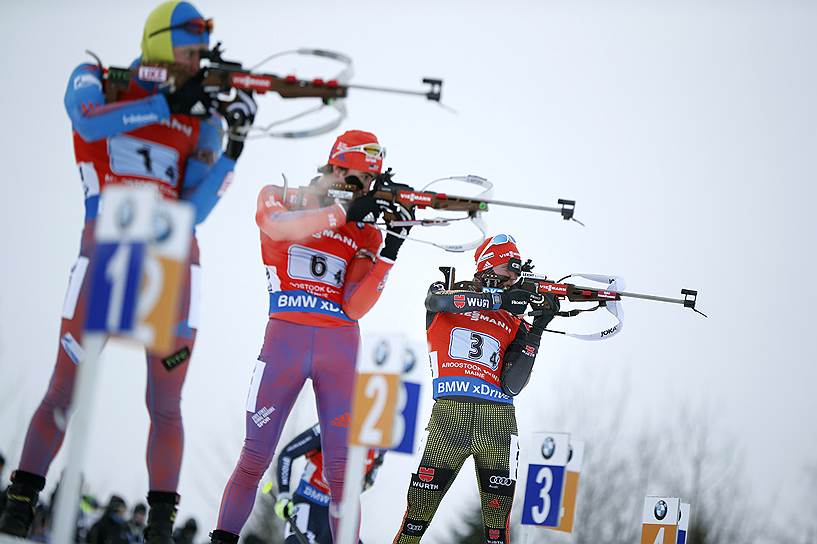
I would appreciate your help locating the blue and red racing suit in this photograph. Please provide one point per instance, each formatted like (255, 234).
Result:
(311, 497)
(323, 275)
(134, 141)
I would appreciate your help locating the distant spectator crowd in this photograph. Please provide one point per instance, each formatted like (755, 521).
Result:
(113, 523)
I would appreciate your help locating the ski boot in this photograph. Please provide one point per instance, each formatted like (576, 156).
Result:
(223, 537)
(162, 514)
(21, 500)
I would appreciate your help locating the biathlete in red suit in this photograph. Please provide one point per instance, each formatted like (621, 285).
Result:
(145, 137)
(325, 270)
(482, 353)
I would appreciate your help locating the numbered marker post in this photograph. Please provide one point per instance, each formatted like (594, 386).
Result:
(405, 423)
(683, 523)
(545, 480)
(571, 488)
(123, 229)
(378, 399)
(164, 268)
(659, 521)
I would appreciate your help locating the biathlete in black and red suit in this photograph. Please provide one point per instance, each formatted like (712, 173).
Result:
(482, 353)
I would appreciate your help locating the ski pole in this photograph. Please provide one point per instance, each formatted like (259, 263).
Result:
(295, 530)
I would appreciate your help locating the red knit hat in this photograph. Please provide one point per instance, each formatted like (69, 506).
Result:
(358, 150)
(495, 251)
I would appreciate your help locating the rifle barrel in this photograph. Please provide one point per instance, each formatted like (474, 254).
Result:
(511, 204)
(651, 297)
(385, 89)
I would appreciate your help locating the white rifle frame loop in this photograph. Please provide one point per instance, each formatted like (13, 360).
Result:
(338, 104)
(614, 283)
(476, 218)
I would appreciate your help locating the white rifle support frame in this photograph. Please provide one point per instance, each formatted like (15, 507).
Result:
(338, 104)
(476, 219)
(614, 307)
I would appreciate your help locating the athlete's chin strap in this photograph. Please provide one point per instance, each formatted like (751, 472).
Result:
(613, 306)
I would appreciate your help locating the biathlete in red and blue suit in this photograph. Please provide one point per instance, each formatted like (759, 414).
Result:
(325, 269)
(146, 136)
(308, 506)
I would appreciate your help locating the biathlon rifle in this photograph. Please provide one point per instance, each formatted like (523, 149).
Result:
(385, 188)
(222, 75)
(609, 298)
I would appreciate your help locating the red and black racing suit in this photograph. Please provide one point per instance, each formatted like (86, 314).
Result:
(469, 342)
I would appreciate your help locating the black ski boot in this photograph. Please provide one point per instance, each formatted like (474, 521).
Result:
(162, 514)
(21, 500)
(223, 537)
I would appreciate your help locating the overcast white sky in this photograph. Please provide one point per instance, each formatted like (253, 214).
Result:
(685, 131)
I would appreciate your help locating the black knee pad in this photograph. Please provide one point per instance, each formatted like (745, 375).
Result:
(431, 478)
(496, 482)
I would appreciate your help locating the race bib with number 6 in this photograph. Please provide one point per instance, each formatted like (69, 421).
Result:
(305, 263)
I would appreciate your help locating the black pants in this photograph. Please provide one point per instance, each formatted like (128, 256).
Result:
(457, 430)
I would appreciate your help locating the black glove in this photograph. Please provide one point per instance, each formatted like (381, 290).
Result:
(395, 236)
(240, 114)
(191, 98)
(514, 301)
(364, 208)
(545, 312)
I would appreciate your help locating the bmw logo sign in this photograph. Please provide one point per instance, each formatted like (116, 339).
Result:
(409, 360)
(548, 447)
(381, 353)
(660, 510)
(125, 214)
(162, 228)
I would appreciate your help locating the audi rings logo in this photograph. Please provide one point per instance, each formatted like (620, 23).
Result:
(414, 528)
(381, 353)
(660, 510)
(548, 447)
(500, 480)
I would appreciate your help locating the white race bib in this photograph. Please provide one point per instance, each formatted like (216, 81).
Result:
(305, 263)
(135, 157)
(474, 346)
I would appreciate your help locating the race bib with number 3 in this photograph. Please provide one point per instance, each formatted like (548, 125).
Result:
(474, 346)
